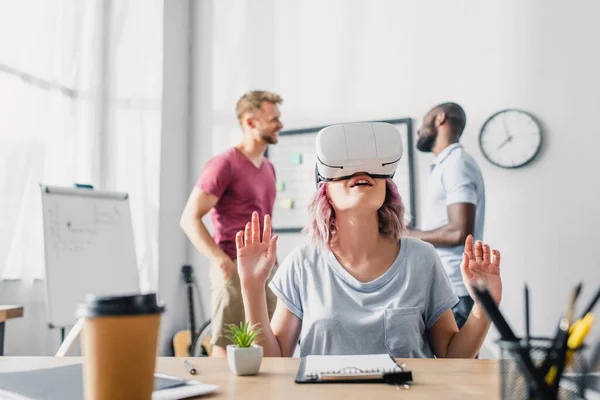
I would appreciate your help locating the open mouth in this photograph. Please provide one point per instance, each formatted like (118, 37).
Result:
(360, 182)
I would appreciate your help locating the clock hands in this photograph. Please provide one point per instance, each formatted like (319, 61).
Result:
(508, 139)
(505, 127)
(508, 135)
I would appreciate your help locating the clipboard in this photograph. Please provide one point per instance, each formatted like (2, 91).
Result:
(352, 374)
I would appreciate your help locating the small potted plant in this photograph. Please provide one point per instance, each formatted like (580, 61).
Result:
(244, 355)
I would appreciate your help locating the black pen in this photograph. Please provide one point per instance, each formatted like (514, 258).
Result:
(527, 332)
(189, 367)
(592, 304)
(571, 310)
(489, 305)
(530, 388)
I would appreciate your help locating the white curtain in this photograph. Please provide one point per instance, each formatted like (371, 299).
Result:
(80, 101)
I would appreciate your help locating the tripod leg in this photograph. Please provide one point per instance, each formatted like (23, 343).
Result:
(66, 345)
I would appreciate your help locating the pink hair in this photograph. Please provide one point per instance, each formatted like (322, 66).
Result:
(321, 226)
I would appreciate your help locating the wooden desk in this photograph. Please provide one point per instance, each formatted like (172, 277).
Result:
(7, 312)
(433, 379)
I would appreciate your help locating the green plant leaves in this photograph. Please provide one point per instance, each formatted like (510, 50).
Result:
(244, 335)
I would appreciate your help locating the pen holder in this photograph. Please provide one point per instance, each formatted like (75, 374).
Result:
(515, 382)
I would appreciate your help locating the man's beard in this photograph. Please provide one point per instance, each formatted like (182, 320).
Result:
(425, 143)
(269, 139)
(427, 138)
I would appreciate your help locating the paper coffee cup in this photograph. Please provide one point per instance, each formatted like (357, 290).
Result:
(119, 346)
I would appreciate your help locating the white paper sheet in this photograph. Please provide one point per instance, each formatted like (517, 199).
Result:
(367, 363)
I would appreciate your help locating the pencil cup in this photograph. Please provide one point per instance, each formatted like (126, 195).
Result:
(516, 384)
(119, 346)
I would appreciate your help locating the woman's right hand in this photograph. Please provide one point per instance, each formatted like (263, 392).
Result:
(255, 258)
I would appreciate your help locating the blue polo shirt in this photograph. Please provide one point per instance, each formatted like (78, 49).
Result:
(454, 178)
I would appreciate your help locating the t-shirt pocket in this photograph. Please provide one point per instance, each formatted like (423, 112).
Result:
(404, 329)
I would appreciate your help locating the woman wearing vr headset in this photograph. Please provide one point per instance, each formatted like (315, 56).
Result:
(360, 287)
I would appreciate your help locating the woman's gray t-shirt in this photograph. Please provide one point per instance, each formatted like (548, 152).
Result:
(341, 315)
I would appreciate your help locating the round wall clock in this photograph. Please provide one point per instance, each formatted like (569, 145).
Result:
(510, 138)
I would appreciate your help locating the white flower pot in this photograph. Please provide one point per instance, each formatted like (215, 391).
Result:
(244, 360)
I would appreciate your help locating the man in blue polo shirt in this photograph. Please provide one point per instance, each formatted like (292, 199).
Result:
(455, 205)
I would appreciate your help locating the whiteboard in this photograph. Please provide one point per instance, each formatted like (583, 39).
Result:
(88, 248)
(294, 160)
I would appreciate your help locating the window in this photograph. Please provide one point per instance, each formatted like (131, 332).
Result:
(80, 100)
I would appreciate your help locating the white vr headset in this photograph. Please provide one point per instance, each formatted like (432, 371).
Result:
(345, 149)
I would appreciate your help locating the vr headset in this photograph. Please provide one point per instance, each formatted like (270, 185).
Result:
(345, 149)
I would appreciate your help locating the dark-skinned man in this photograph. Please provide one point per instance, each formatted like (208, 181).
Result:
(455, 206)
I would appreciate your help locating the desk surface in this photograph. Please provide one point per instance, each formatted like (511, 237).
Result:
(8, 312)
(433, 379)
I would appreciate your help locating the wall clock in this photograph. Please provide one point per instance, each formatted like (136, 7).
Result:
(510, 138)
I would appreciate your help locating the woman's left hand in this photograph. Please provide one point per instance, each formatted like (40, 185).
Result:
(477, 264)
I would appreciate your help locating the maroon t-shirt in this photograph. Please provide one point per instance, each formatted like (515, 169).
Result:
(241, 188)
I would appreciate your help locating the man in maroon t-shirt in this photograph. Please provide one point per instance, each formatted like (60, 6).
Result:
(234, 184)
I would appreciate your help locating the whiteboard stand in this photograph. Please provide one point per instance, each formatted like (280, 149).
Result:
(89, 248)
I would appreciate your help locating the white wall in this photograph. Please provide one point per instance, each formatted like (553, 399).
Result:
(350, 60)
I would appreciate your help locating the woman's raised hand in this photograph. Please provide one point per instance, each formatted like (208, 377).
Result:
(255, 257)
(478, 264)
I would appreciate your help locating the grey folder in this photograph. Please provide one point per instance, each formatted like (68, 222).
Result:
(60, 383)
